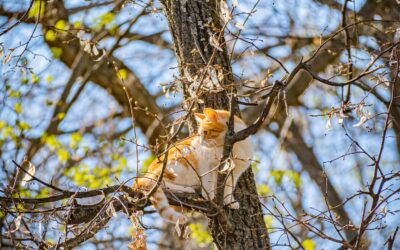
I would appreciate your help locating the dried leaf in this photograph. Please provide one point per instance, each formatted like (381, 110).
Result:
(87, 46)
(16, 224)
(359, 109)
(225, 13)
(8, 57)
(234, 3)
(362, 120)
(28, 177)
(40, 229)
(328, 125)
(80, 34)
(187, 74)
(111, 210)
(101, 57)
(397, 33)
(24, 230)
(228, 166)
(239, 25)
(342, 114)
(214, 42)
(95, 51)
(187, 233)
(178, 228)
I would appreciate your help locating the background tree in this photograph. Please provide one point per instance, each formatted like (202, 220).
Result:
(91, 91)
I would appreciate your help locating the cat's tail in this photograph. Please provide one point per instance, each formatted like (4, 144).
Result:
(167, 212)
(160, 202)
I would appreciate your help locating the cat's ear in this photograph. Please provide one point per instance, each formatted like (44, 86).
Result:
(211, 114)
(199, 117)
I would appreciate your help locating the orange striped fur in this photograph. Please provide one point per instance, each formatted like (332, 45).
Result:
(192, 165)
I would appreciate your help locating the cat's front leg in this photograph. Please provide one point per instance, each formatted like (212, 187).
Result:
(208, 184)
(229, 200)
(230, 184)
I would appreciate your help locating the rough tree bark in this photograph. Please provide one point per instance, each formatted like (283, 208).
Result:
(192, 25)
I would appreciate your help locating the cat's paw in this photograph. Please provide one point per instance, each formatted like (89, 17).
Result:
(208, 195)
(232, 204)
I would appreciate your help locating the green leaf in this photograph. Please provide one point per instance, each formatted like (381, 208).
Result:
(2, 124)
(38, 5)
(75, 139)
(62, 154)
(18, 108)
(113, 29)
(254, 164)
(308, 244)
(24, 80)
(60, 25)
(50, 36)
(146, 163)
(23, 125)
(49, 78)
(199, 234)
(52, 142)
(295, 177)
(103, 20)
(14, 94)
(114, 156)
(77, 25)
(277, 175)
(34, 78)
(289, 175)
(7, 132)
(122, 162)
(49, 103)
(263, 190)
(57, 52)
(268, 222)
(122, 73)
(44, 192)
(106, 18)
(60, 116)
(50, 242)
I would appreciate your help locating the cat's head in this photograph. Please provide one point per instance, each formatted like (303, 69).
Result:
(212, 124)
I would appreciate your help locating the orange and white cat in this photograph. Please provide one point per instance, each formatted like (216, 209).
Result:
(193, 165)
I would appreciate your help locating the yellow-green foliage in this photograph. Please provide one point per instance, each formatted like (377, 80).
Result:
(290, 175)
(50, 36)
(262, 189)
(122, 73)
(75, 138)
(6, 131)
(268, 222)
(104, 20)
(95, 177)
(199, 234)
(57, 52)
(38, 5)
(308, 244)
(146, 163)
(18, 107)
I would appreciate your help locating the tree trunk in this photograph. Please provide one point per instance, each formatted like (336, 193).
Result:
(193, 25)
